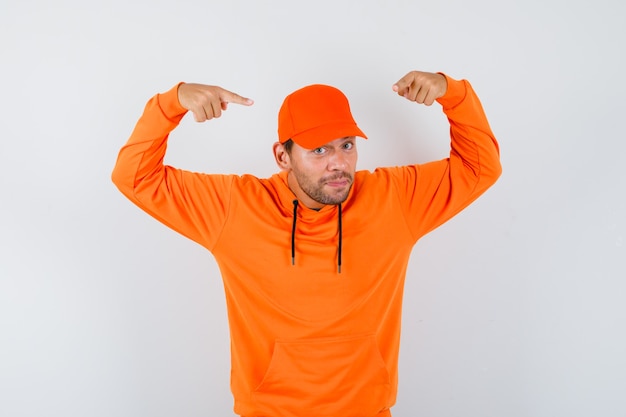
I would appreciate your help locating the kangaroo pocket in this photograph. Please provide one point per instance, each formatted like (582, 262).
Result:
(344, 377)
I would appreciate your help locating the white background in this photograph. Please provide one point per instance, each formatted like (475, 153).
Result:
(514, 308)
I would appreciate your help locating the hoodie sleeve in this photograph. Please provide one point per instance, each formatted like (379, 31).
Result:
(192, 204)
(434, 192)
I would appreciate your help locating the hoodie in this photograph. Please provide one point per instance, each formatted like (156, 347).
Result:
(308, 338)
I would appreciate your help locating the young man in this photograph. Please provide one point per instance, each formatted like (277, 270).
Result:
(313, 258)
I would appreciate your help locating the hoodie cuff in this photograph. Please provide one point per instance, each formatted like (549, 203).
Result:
(169, 104)
(454, 94)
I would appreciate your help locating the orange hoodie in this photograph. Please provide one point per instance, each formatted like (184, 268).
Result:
(306, 339)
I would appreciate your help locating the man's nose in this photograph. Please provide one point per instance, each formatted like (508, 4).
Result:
(337, 161)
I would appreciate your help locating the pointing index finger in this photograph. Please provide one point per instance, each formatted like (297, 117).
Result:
(403, 85)
(230, 97)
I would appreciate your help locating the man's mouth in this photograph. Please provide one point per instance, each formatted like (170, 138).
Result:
(341, 181)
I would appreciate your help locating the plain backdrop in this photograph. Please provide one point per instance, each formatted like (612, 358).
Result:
(513, 308)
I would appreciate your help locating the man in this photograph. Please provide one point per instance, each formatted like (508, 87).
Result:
(313, 258)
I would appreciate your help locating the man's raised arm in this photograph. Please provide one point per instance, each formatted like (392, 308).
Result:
(438, 190)
(178, 198)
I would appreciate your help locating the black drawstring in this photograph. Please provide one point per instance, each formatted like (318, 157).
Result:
(293, 232)
(293, 236)
(340, 242)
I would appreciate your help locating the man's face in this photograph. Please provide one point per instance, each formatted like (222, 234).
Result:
(323, 175)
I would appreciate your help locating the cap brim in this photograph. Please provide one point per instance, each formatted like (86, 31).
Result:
(321, 135)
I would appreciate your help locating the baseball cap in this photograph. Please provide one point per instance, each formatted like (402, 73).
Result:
(315, 115)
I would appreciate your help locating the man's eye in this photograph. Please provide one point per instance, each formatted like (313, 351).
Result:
(319, 151)
(348, 145)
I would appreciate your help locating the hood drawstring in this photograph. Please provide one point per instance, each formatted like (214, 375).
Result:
(293, 236)
(340, 242)
(293, 232)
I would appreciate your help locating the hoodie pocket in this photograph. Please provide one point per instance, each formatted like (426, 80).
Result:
(344, 377)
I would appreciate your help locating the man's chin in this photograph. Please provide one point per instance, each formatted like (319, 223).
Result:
(338, 196)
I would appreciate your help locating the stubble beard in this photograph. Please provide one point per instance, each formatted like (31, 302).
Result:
(316, 190)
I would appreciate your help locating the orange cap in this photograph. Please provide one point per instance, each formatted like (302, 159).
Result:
(315, 115)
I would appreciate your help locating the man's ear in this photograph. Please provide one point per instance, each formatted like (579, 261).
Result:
(282, 156)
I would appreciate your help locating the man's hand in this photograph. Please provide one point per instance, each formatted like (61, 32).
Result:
(421, 87)
(207, 101)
